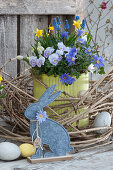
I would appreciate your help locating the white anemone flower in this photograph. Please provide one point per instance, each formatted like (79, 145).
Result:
(84, 37)
(91, 68)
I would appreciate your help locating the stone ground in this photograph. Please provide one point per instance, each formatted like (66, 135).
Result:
(97, 159)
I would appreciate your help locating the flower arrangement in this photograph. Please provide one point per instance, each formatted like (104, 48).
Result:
(64, 54)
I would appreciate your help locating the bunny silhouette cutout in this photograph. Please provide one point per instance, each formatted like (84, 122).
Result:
(50, 132)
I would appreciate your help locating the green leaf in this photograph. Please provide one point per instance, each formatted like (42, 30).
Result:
(1, 87)
(101, 70)
(25, 59)
(3, 95)
(89, 37)
(37, 72)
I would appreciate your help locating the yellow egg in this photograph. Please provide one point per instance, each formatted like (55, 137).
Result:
(27, 150)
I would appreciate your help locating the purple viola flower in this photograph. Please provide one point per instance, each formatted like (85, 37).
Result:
(66, 79)
(80, 33)
(81, 40)
(41, 116)
(48, 51)
(40, 61)
(60, 53)
(99, 61)
(32, 61)
(61, 46)
(88, 51)
(54, 59)
(64, 34)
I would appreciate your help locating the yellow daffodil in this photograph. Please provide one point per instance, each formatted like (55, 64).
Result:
(1, 78)
(51, 28)
(77, 24)
(86, 33)
(39, 33)
(47, 34)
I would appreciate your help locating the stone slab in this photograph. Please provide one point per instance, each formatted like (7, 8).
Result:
(98, 159)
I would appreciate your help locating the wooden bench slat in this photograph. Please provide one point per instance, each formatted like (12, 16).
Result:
(28, 25)
(8, 42)
(40, 7)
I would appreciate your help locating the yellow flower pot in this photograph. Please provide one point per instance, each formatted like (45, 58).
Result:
(82, 83)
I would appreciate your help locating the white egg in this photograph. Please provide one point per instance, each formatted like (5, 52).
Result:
(103, 119)
(9, 151)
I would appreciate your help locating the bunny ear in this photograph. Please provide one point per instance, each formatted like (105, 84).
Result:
(51, 98)
(47, 93)
(47, 96)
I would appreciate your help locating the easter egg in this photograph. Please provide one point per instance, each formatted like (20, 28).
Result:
(27, 150)
(103, 119)
(9, 151)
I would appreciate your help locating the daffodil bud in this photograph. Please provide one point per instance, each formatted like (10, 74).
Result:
(19, 57)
